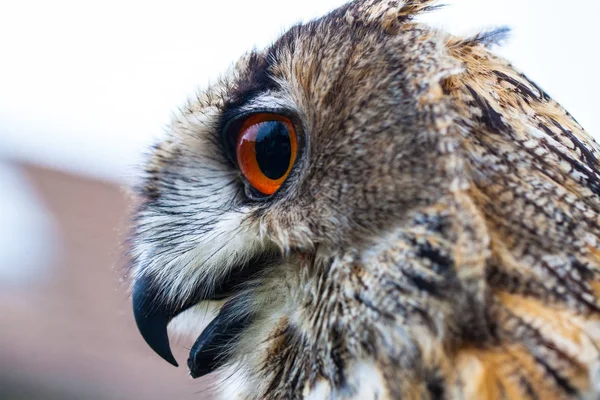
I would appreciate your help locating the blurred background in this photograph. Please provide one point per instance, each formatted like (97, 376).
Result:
(86, 86)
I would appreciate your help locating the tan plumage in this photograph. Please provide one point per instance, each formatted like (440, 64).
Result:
(437, 237)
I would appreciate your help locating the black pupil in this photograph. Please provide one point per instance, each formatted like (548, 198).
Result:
(273, 149)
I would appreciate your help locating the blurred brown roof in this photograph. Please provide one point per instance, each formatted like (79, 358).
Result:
(73, 336)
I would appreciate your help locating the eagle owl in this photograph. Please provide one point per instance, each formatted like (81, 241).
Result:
(378, 210)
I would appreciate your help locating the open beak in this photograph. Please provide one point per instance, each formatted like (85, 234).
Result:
(153, 311)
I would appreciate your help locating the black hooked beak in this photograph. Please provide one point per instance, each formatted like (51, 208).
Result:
(153, 311)
(152, 316)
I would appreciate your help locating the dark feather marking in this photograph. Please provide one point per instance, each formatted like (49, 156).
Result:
(491, 118)
(441, 263)
(337, 340)
(589, 157)
(436, 385)
(592, 179)
(421, 283)
(534, 335)
(529, 390)
(543, 94)
(255, 80)
(520, 87)
(561, 381)
(282, 358)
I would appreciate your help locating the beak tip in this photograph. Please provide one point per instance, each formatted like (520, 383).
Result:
(170, 359)
(160, 345)
(152, 321)
(163, 351)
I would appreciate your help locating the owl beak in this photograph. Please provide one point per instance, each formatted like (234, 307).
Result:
(152, 315)
(153, 309)
(210, 349)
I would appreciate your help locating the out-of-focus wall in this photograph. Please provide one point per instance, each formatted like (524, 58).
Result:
(71, 334)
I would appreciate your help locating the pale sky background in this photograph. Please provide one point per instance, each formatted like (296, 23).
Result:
(87, 85)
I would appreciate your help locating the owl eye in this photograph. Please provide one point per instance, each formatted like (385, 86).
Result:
(266, 150)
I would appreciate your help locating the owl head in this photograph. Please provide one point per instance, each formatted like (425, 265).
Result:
(320, 195)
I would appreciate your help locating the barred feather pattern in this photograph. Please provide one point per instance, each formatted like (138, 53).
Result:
(438, 237)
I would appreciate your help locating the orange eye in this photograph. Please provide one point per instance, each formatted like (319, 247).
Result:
(266, 150)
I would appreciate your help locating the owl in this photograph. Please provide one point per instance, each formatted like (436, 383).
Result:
(376, 209)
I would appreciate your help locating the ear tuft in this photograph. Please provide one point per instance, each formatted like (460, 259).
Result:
(390, 13)
(494, 37)
(412, 8)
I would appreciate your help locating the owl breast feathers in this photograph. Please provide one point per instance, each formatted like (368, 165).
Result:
(375, 209)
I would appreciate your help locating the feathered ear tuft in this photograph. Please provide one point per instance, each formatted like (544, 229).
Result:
(389, 11)
(494, 37)
(391, 14)
(412, 8)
